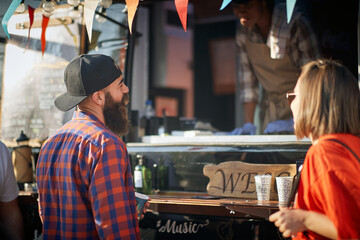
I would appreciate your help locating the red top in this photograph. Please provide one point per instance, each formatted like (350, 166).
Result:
(330, 184)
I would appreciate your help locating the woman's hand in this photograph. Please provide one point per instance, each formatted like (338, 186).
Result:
(289, 221)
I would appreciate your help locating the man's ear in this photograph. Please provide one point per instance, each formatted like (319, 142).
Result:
(98, 97)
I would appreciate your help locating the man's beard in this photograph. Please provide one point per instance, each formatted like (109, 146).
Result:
(115, 114)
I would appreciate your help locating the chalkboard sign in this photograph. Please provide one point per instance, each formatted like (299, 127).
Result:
(31, 81)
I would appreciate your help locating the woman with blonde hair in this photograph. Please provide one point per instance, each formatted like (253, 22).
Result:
(326, 108)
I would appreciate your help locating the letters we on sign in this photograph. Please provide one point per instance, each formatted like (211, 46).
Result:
(236, 179)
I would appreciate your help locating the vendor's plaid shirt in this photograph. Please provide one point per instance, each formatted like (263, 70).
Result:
(296, 39)
(85, 183)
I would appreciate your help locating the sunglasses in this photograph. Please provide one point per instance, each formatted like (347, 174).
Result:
(290, 96)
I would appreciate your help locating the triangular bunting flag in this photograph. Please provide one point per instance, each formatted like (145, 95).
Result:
(44, 25)
(181, 7)
(14, 4)
(89, 11)
(290, 4)
(31, 18)
(224, 4)
(131, 9)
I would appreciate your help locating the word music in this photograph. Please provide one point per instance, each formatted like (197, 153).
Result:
(181, 228)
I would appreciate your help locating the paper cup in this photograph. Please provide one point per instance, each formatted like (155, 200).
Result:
(284, 186)
(263, 186)
(141, 199)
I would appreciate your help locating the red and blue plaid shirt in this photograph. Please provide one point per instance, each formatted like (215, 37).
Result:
(85, 183)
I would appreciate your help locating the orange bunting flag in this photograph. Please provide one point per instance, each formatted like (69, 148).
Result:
(181, 7)
(45, 22)
(31, 17)
(131, 8)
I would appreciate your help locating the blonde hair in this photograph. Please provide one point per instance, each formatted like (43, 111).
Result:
(329, 100)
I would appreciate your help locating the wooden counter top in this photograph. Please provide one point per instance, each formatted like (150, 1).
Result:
(201, 204)
(193, 203)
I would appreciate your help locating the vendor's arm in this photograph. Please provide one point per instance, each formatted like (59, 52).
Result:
(249, 111)
(292, 221)
(248, 85)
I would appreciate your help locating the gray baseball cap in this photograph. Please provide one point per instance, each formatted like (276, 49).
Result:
(85, 75)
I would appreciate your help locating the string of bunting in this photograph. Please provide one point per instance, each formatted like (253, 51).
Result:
(89, 11)
(45, 20)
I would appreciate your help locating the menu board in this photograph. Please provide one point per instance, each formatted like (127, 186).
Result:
(32, 81)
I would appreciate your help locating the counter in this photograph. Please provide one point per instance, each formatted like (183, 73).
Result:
(226, 140)
(182, 200)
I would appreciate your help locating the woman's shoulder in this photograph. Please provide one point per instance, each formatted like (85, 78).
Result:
(340, 139)
(333, 151)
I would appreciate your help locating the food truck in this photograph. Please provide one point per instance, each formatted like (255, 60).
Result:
(184, 61)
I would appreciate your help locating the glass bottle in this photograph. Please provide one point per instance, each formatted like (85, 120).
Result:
(138, 176)
(142, 177)
(147, 180)
(162, 175)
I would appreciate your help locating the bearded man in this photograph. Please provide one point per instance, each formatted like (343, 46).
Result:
(83, 172)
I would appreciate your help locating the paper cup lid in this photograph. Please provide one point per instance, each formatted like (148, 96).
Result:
(140, 195)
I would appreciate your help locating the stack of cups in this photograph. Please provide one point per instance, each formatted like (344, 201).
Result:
(263, 187)
(284, 186)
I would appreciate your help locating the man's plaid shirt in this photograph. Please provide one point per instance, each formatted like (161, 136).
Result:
(85, 183)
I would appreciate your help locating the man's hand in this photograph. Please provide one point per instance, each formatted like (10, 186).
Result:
(147, 204)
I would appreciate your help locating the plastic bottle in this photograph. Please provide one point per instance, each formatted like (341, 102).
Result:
(142, 177)
(149, 113)
(149, 110)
